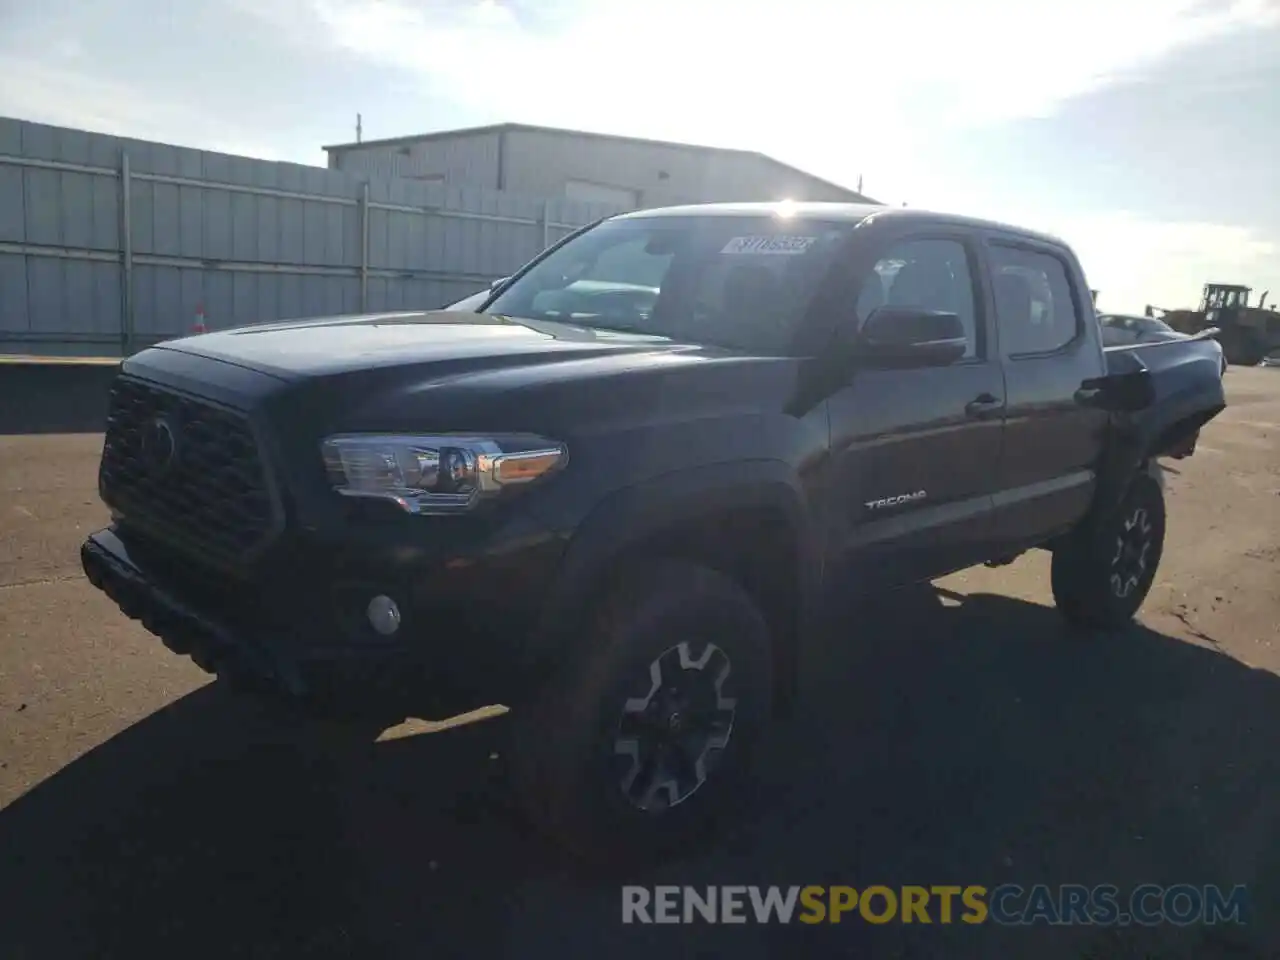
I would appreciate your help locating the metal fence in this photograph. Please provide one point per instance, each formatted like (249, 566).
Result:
(108, 244)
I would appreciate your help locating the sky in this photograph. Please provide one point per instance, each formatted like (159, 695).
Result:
(1144, 132)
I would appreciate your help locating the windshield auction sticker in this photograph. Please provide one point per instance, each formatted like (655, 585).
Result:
(782, 245)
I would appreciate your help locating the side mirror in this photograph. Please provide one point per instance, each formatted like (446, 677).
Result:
(493, 287)
(911, 337)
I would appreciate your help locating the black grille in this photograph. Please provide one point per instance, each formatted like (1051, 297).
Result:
(187, 468)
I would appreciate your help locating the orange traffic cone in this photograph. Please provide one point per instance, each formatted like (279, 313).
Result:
(198, 326)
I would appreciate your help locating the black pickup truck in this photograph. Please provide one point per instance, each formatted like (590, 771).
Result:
(614, 495)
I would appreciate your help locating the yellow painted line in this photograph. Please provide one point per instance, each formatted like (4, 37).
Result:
(60, 361)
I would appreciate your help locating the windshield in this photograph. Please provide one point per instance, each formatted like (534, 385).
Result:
(739, 282)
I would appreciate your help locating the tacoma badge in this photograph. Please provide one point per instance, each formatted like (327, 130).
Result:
(897, 501)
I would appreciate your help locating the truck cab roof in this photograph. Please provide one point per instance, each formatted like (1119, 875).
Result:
(838, 212)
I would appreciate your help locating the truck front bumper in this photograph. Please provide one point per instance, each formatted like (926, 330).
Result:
(213, 644)
(317, 661)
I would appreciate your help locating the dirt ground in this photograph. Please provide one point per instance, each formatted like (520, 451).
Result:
(952, 735)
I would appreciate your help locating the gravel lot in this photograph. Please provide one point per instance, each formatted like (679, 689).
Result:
(952, 735)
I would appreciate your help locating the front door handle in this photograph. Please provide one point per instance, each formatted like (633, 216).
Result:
(983, 406)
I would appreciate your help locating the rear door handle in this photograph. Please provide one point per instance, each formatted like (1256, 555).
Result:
(983, 406)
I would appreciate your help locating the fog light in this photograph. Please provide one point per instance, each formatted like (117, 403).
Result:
(384, 615)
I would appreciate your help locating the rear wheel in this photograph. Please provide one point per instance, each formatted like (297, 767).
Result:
(644, 739)
(1104, 569)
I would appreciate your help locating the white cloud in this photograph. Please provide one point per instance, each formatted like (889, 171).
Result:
(1135, 261)
(840, 88)
(65, 96)
(859, 79)
(74, 96)
(68, 48)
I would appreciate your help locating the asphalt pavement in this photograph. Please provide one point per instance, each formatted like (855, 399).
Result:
(955, 734)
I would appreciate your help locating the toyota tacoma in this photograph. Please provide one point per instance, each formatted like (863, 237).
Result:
(613, 493)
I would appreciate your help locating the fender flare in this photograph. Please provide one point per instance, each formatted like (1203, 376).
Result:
(630, 515)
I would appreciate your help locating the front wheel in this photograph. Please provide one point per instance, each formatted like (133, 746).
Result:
(1103, 571)
(645, 737)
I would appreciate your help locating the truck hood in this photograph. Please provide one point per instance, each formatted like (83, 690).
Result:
(446, 370)
(304, 349)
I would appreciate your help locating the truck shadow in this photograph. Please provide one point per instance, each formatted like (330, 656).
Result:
(944, 740)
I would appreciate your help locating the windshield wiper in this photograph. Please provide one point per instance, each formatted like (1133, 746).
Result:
(621, 327)
(589, 328)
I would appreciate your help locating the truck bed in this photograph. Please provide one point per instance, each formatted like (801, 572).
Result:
(1186, 377)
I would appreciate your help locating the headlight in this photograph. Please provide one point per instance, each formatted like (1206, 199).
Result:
(436, 474)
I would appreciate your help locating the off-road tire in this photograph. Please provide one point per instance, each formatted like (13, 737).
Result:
(1243, 348)
(564, 763)
(1096, 583)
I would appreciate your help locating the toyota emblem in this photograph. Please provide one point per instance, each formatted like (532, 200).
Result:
(159, 444)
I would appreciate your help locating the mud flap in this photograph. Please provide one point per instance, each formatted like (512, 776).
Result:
(1156, 472)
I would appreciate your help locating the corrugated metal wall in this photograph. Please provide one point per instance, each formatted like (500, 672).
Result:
(109, 244)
